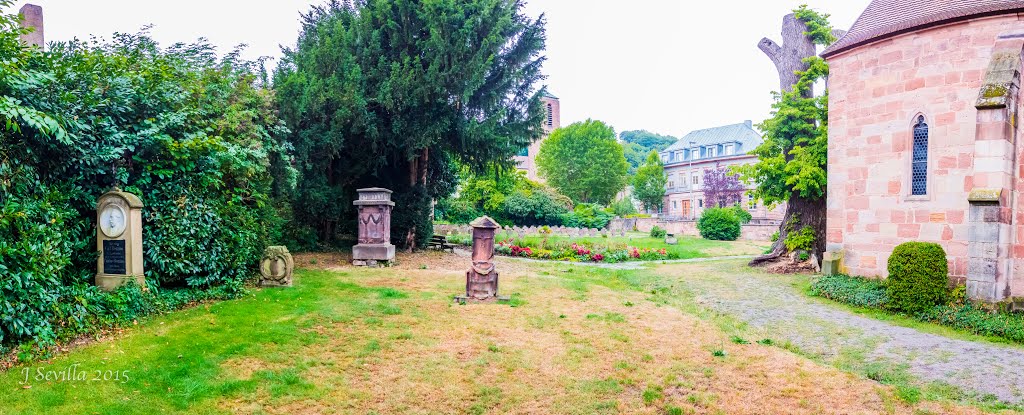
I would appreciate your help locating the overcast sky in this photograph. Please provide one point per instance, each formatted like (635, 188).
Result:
(668, 66)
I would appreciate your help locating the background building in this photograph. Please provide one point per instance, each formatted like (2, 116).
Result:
(527, 159)
(686, 160)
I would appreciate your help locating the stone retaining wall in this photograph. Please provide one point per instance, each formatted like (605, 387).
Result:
(751, 231)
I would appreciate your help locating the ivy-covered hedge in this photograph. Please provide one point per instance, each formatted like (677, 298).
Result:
(196, 137)
(959, 314)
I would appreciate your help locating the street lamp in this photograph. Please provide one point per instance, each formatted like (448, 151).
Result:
(693, 212)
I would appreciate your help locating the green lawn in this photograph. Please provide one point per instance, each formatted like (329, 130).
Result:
(575, 340)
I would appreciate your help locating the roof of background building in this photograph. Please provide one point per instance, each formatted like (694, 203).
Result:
(743, 133)
(548, 94)
(887, 18)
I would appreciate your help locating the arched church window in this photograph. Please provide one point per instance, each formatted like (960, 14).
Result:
(919, 174)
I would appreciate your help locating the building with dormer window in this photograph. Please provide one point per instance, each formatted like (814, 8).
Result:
(700, 150)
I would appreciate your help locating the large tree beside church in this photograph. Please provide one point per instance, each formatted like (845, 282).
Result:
(399, 94)
(791, 165)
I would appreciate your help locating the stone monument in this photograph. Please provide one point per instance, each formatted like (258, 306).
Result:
(276, 267)
(374, 212)
(119, 240)
(32, 18)
(482, 277)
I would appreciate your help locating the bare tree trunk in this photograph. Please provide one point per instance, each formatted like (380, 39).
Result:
(789, 59)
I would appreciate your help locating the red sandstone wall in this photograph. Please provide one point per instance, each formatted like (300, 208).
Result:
(876, 93)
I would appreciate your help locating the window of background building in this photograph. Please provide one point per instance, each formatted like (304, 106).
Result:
(695, 179)
(751, 202)
(700, 202)
(730, 149)
(551, 116)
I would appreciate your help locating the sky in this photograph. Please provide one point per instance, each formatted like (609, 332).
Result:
(667, 66)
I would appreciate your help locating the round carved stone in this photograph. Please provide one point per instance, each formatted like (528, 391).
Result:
(276, 267)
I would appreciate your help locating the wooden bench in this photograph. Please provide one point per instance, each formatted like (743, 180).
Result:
(440, 242)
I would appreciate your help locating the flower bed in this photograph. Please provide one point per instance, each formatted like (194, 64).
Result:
(582, 252)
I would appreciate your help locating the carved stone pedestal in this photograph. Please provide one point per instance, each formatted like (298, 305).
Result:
(375, 248)
(482, 277)
(277, 267)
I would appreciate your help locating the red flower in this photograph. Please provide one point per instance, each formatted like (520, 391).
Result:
(598, 257)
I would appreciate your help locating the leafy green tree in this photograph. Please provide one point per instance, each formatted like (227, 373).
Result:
(792, 161)
(585, 162)
(649, 183)
(196, 136)
(399, 94)
(638, 143)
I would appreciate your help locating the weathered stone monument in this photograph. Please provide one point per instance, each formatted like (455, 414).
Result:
(276, 267)
(32, 19)
(119, 240)
(482, 277)
(374, 212)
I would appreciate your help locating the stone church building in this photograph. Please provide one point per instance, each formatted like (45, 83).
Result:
(924, 139)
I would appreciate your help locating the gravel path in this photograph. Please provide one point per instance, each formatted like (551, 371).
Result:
(775, 305)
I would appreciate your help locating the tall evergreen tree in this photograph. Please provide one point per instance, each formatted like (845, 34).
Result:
(397, 93)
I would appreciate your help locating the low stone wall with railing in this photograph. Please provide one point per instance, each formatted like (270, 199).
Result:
(756, 230)
(521, 231)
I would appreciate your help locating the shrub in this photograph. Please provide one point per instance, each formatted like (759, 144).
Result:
(918, 277)
(742, 214)
(657, 232)
(719, 224)
(535, 207)
(457, 211)
(857, 291)
(775, 236)
(623, 207)
(587, 215)
(800, 240)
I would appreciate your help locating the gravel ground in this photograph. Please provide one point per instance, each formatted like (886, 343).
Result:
(774, 305)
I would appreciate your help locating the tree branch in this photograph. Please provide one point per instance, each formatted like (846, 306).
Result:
(772, 49)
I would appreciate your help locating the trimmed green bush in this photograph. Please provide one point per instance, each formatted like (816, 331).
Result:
(742, 214)
(918, 277)
(657, 232)
(719, 224)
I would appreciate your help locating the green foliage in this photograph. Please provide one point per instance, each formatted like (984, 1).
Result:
(801, 240)
(719, 224)
(860, 292)
(959, 314)
(400, 94)
(584, 162)
(775, 236)
(918, 277)
(587, 215)
(742, 214)
(508, 197)
(623, 207)
(792, 159)
(657, 232)
(637, 144)
(649, 183)
(537, 206)
(196, 137)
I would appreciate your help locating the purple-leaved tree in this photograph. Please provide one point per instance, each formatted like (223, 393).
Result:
(721, 188)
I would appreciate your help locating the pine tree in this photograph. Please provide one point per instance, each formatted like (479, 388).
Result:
(397, 94)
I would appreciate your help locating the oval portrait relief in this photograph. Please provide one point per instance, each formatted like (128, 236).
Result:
(112, 221)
